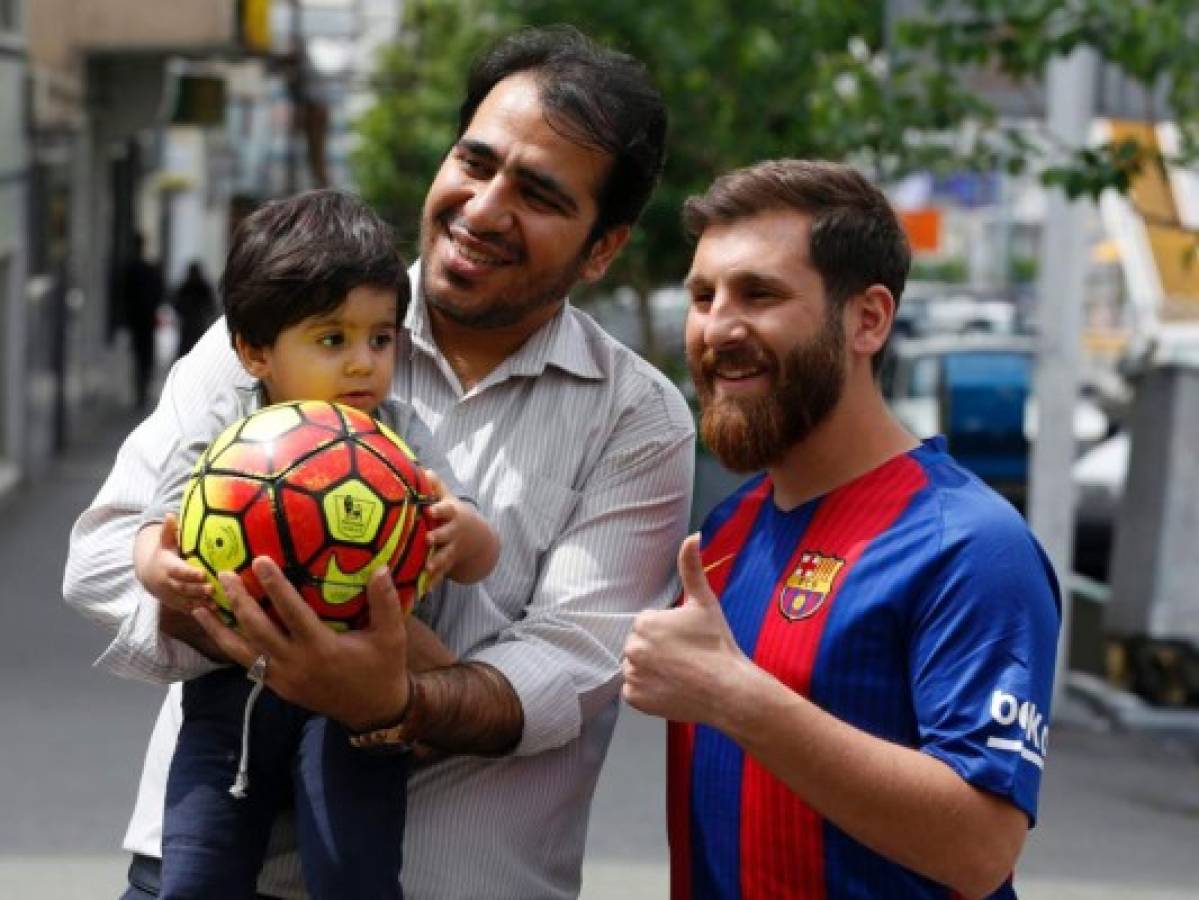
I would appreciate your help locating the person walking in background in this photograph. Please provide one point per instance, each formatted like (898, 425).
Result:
(858, 677)
(141, 293)
(194, 302)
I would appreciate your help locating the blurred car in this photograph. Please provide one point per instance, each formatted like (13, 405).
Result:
(976, 389)
(930, 314)
(1099, 476)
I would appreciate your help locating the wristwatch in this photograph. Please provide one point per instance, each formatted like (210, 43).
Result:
(393, 738)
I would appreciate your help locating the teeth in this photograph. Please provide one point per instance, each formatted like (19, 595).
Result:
(474, 256)
(738, 373)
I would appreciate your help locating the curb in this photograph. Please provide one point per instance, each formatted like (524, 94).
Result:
(1128, 712)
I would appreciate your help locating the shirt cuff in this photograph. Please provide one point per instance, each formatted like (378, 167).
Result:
(143, 653)
(547, 694)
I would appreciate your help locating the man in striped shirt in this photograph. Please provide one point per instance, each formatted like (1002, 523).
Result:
(579, 453)
(858, 678)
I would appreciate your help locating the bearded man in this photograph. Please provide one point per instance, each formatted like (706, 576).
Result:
(858, 676)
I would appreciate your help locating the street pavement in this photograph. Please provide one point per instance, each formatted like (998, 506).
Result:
(1119, 806)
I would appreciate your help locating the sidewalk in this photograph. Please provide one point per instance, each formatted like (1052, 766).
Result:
(1119, 809)
(73, 737)
(1119, 816)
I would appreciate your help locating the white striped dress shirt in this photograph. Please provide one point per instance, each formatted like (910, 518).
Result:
(581, 456)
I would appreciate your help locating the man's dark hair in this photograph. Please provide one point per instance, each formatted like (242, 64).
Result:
(592, 95)
(856, 239)
(299, 257)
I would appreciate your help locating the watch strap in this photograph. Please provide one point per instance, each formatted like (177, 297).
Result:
(393, 738)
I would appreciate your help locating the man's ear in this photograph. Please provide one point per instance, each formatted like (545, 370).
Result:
(872, 313)
(603, 251)
(255, 360)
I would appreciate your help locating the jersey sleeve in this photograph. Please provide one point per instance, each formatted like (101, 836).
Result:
(982, 658)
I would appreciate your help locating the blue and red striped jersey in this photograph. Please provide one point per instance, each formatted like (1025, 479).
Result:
(913, 603)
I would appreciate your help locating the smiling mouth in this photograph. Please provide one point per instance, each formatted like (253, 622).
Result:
(731, 374)
(475, 252)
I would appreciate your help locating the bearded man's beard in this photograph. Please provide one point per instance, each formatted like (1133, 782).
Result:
(751, 433)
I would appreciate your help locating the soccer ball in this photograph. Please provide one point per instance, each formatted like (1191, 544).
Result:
(326, 491)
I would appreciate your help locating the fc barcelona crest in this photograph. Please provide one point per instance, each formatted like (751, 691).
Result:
(805, 590)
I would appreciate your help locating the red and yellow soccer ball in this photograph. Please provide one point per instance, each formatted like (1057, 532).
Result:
(326, 491)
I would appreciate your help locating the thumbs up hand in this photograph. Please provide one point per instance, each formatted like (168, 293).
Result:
(680, 663)
(696, 589)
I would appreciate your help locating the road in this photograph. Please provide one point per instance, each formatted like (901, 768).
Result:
(1119, 811)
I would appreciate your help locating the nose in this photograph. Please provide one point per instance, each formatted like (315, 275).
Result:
(360, 360)
(488, 211)
(723, 323)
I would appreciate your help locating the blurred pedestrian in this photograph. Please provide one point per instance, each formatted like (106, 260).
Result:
(141, 293)
(194, 303)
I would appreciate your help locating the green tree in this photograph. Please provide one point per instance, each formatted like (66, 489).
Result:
(752, 79)
(1150, 43)
(404, 135)
(743, 80)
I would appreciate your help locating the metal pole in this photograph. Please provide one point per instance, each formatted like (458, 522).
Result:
(1069, 110)
(294, 63)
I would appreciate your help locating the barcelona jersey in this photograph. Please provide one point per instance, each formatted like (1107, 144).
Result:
(912, 603)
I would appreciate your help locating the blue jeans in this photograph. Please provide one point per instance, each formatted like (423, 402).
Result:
(349, 805)
(145, 879)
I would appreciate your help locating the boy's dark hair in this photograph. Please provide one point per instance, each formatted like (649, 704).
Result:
(855, 240)
(591, 95)
(299, 257)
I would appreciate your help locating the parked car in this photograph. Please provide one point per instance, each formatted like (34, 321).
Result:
(976, 389)
(930, 314)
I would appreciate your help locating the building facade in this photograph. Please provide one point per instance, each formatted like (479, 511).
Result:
(14, 252)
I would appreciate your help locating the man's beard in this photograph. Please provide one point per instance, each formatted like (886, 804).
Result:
(751, 433)
(520, 301)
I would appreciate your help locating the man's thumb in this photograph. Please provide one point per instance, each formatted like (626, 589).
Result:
(383, 600)
(691, 570)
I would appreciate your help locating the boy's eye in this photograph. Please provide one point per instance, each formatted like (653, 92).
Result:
(382, 340)
(332, 339)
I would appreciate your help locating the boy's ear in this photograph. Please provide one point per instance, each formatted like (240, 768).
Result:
(255, 360)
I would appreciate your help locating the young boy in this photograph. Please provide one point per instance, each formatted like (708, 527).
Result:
(313, 292)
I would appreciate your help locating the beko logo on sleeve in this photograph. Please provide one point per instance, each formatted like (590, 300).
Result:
(1008, 710)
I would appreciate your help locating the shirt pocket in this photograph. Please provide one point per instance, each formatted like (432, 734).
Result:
(529, 513)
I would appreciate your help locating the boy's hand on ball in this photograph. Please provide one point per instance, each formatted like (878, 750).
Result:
(440, 539)
(462, 546)
(164, 574)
